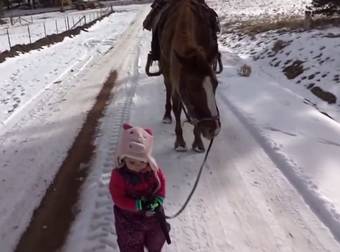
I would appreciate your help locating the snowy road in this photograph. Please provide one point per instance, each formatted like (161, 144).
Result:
(243, 201)
(47, 101)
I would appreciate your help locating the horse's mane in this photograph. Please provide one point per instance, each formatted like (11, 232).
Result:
(188, 50)
(194, 61)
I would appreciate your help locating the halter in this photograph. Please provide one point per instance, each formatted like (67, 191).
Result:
(195, 121)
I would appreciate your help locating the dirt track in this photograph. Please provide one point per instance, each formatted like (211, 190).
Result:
(52, 220)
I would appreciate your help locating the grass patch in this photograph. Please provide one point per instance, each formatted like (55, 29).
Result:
(255, 26)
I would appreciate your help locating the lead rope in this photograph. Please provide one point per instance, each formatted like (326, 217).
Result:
(195, 185)
(184, 110)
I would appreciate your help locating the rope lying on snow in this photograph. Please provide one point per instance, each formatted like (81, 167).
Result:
(195, 185)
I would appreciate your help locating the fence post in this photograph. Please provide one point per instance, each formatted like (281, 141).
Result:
(9, 40)
(45, 29)
(85, 18)
(72, 21)
(32, 19)
(65, 23)
(68, 23)
(56, 25)
(308, 21)
(29, 33)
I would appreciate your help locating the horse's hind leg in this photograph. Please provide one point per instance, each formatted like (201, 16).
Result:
(167, 115)
(179, 143)
(197, 145)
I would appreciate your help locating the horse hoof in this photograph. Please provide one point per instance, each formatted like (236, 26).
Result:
(167, 120)
(181, 149)
(199, 149)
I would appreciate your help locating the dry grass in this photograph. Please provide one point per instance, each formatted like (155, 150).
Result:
(293, 23)
(255, 26)
(321, 22)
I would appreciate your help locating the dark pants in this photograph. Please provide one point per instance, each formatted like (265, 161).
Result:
(136, 231)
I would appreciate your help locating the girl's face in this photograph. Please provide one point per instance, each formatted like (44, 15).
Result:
(135, 165)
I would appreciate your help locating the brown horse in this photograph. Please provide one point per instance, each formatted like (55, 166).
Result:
(188, 54)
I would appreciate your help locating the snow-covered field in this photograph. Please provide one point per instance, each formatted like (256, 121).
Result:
(317, 50)
(271, 181)
(29, 29)
(244, 9)
(37, 92)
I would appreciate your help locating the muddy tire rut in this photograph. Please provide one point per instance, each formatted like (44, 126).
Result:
(52, 220)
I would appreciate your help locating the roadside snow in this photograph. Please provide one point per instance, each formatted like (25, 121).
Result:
(44, 103)
(318, 50)
(271, 182)
(301, 141)
(244, 9)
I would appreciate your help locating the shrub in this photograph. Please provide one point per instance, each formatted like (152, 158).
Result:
(1, 6)
(325, 7)
(1, 9)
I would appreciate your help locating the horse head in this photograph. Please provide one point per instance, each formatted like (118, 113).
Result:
(189, 54)
(197, 86)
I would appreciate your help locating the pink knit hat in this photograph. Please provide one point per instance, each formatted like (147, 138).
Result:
(136, 143)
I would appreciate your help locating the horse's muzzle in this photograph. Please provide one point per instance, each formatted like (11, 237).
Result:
(210, 128)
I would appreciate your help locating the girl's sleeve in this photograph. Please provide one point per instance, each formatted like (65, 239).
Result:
(162, 188)
(117, 190)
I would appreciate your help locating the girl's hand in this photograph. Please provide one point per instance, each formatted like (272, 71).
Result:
(149, 205)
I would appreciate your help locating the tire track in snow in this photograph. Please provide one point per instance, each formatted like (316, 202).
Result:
(98, 230)
(62, 194)
(90, 52)
(286, 166)
(242, 204)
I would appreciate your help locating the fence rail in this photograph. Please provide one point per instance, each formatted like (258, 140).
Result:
(83, 18)
(20, 20)
(29, 31)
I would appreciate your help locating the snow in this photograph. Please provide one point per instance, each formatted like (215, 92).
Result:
(52, 87)
(318, 50)
(243, 9)
(271, 179)
(32, 28)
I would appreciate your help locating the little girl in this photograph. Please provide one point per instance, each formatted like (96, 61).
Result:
(137, 188)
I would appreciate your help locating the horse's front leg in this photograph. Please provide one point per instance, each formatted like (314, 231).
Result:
(167, 115)
(177, 108)
(197, 145)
